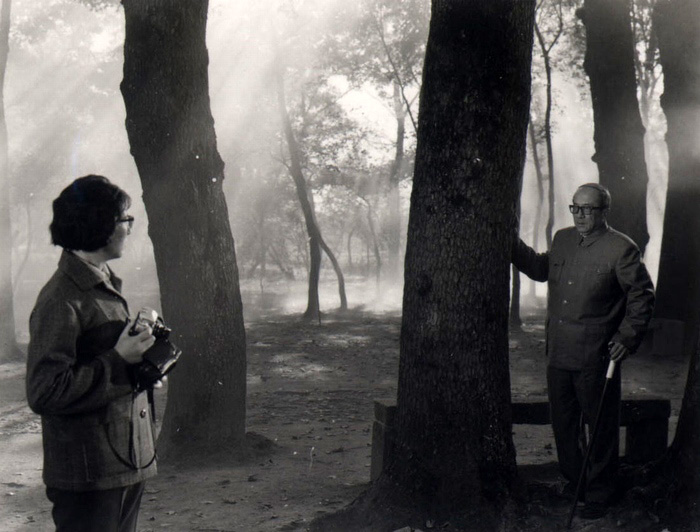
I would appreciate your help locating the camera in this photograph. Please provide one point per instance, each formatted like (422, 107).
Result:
(161, 357)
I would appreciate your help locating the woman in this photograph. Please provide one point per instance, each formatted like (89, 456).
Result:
(97, 433)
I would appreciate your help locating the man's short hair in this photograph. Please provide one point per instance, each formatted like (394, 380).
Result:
(85, 213)
(602, 191)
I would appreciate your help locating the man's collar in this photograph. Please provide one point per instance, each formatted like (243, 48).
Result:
(82, 274)
(590, 239)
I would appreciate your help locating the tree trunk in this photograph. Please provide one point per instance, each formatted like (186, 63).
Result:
(548, 135)
(514, 319)
(27, 252)
(453, 421)
(316, 242)
(677, 25)
(684, 450)
(619, 133)
(678, 291)
(8, 340)
(375, 242)
(540, 200)
(173, 142)
(394, 198)
(349, 246)
(540, 183)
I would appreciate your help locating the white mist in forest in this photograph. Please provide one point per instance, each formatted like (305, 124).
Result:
(65, 118)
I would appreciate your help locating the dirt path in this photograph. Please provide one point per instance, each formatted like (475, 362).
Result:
(310, 391)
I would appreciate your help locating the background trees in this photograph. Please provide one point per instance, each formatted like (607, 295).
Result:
(351, 84)
(8, 344)
(619, 133)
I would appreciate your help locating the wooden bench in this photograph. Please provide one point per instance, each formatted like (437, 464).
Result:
(645, 420)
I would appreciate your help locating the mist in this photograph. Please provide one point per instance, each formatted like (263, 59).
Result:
(65, 119)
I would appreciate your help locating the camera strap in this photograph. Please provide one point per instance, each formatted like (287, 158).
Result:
(131, 463)
(152, 403)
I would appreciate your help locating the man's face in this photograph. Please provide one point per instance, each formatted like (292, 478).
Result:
(589, 223)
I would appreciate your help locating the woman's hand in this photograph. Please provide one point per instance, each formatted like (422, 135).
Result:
(132, 348)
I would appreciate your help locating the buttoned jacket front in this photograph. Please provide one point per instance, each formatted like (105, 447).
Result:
(599, 292)
(97, 432)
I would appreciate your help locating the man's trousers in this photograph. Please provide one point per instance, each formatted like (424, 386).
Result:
(573, 394)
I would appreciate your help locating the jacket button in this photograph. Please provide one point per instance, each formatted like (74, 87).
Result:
(143, 413)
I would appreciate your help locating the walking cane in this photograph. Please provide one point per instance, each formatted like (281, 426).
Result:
(579, 486)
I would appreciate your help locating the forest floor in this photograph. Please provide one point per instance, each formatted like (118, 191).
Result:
(311, 389)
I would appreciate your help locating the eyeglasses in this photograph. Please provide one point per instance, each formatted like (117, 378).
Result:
(127, 220)
(585, 209)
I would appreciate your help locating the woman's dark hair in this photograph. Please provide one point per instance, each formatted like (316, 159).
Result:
(85, 213)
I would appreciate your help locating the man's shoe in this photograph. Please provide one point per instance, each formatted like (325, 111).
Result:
(594, 510)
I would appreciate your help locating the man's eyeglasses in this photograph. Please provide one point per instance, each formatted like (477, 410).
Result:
(585, 209)
(127, 220)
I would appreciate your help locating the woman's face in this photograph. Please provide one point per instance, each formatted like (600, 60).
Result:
(115, 244)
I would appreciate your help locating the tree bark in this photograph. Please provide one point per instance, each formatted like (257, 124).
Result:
(453, 424)
(173, 142)
(619, 133)
(676, 484)
(514, 318)
(8, 340)
(316, 242)
(677, 24)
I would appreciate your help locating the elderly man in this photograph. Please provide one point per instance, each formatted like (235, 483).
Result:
(599, 305)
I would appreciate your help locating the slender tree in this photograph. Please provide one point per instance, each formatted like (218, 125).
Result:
(546, 50)
(646, 57)
(173, 142)
(453, 427)
(8, 341)
(316, 241)
(619, 133)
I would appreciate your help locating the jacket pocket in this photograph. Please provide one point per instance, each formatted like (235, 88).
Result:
(555, 270)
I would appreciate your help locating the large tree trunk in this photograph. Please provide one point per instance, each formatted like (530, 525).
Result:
(173, 142)
(453, 425)
(316, 242)
(8, 341)
(677, 25)
(619, 133)
(678, 294)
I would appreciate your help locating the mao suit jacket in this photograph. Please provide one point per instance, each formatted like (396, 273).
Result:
(599, 292)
